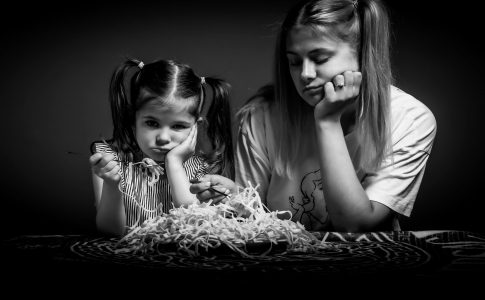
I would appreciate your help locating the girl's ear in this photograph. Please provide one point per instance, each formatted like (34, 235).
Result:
(202, 123)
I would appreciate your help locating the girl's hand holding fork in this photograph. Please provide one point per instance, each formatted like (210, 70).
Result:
(105, 166)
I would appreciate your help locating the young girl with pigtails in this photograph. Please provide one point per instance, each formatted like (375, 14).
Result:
(156, 148)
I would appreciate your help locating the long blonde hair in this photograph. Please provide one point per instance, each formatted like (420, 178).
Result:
(364, 24)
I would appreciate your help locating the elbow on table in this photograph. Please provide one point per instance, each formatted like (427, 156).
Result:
(378, 218)
(352, 228)
(363, 225)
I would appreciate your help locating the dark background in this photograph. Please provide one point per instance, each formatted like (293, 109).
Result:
(57, 60)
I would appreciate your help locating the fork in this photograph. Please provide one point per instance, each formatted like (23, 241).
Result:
(196, 180)
(120, 161)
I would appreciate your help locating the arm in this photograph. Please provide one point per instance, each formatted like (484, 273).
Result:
(110, 210)
(348, 205)
(396, 183)
(252, 164)
(177, 178)
(252, 149)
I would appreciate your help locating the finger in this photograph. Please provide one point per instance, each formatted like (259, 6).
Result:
(349, 78)
(113, 177)
(109, 166)
(212, 179)
(218, 199)
(220, 190)
(107, 158)
(95, 158)
(205, 196)
(199, 187)
(194, 180)
(218, 181)
(113, 173)
(192, 132)
(339, 81)
(329, 90)
(190, 136)
(101, 171)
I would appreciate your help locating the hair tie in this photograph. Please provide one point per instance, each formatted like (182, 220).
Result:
(202, 80)
(140, 65)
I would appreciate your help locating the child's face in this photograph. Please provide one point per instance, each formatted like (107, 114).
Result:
(159, 129)
(314, 60)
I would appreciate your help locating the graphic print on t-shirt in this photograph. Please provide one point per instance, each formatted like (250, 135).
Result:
(311, 193)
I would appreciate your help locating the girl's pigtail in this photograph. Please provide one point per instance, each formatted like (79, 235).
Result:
(377, 79)
(220, 127)
(122, 110)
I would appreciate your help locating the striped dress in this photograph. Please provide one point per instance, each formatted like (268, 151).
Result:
(141, 200)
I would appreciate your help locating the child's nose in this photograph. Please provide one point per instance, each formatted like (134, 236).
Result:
(163, 137)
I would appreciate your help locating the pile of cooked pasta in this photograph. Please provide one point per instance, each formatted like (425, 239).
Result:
(240, 221)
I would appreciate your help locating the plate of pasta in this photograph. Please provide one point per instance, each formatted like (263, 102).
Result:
(242, 224)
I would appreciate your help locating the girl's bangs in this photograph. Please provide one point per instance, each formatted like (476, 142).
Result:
(187, 104)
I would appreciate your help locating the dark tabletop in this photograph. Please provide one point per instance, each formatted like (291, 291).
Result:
(391, 257)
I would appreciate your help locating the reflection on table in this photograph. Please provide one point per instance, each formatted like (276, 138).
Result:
(419, 253)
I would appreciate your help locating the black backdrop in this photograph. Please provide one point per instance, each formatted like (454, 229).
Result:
(57, 60)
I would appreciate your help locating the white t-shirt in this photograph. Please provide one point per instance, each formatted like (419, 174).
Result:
(395, 184)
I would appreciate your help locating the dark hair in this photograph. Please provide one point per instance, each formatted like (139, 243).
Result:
(156, 81)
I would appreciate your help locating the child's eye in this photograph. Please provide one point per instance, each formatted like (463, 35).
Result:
(180, 126)
(294, 62)
(151, 123)
(320, 61)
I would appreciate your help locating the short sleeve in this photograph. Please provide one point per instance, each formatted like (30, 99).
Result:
(103, 148)
(396, 183)
(197, 166)
(252, 159)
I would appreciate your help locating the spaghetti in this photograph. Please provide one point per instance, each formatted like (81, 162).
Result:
(151, 173)
(236, 223)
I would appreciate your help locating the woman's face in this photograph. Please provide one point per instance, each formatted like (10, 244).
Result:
(314, 59)
(158, 129)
